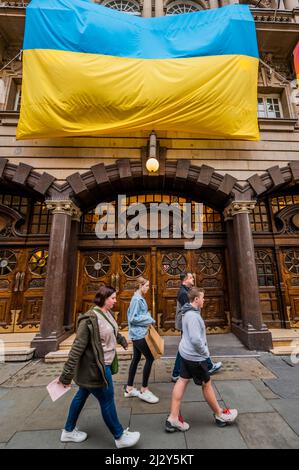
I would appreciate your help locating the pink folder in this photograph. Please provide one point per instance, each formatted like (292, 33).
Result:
(57, 389)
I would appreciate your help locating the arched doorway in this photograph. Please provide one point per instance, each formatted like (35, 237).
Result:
(119, 262)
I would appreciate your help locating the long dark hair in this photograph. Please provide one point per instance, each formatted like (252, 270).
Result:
(102, 294)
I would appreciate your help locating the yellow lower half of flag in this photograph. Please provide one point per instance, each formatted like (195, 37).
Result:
(69, 93)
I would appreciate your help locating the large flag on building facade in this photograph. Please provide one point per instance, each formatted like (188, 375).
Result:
(90, 70)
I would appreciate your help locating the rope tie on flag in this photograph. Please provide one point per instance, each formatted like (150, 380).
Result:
(12, 60)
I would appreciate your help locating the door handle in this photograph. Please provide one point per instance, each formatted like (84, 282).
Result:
(17, 283)
(22, 278)
(117, 283)
(113, 280)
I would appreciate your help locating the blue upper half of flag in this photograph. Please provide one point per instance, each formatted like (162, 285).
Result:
(83, 26)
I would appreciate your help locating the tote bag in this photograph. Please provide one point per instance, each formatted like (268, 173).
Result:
(155, 342)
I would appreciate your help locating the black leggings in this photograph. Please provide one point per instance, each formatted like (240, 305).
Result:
(140, 347)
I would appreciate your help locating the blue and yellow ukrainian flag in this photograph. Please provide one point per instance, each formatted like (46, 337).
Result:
(90, 70)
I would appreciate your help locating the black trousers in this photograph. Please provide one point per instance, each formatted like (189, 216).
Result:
(140, 347)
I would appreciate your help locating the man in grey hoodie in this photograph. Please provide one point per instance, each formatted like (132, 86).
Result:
(194, 353)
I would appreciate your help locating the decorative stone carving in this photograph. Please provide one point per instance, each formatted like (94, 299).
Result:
(287, 220)
(238, 207)
(279, 71)
(37, 283)
(62, 206)
(7, 231)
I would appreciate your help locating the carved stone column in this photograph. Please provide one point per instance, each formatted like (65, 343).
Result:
(233, 281)
(291, 4)
(52, 319)
(70, 301)
(252, 332)
(147, 8)
(214, 4)
(159, 11)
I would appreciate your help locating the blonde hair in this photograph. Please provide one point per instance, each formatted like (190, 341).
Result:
(195, 292)
(140, 281)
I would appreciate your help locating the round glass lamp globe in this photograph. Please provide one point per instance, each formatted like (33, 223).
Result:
(152, 165)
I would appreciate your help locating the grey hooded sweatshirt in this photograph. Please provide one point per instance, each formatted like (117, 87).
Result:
(193, 345)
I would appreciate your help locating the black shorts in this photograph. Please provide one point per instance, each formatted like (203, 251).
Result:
(198, 371)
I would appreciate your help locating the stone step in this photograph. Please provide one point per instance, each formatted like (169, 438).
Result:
(285, 338)
(17, 340)
(18, 354)
(62, 354)
(285, 350)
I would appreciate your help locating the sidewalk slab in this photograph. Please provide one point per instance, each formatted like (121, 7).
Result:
(35, 374)
(3, 392)
(9, 370)
(153, 435)
(277, 365)
(287, 387)
(267, 431)
(289, 410)
(15, 407)
(265, 391)
(203, 432)
(49, 414)
(243, 396)
(36, 440)
(139, 407)
(99, 437)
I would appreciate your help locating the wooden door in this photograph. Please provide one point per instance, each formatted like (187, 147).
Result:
(209, 269)
(170, 264)
(130, 264)
(289, 259)
(96, 268)
(9, 277)
(120, 269)
(268, 282)
(22, 279)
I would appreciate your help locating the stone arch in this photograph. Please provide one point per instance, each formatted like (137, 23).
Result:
(173, 7)
(104, 183)
(273, 180)
(24, 178)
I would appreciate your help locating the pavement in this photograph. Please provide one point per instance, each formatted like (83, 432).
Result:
(264, 388)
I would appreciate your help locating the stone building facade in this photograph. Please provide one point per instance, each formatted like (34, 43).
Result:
(51, 262)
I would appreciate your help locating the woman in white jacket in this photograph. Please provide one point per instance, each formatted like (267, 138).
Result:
(139, 319)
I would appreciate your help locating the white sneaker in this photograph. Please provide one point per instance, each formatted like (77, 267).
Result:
(73, 436)
(127, 439)
(148, 396)
(179, 425)
(227, 416)
(132, 393)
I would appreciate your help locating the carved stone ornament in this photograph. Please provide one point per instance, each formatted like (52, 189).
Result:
(68, 207)
(287, 220)
(238, 207)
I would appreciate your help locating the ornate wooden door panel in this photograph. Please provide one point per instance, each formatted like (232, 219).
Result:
(268, 282)
(171, 263)
(96, 268)
(130, 264)
(22, 278)
(31, 291)
(9, 268)
(209, 269)
(289, 259)
(120, 269)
